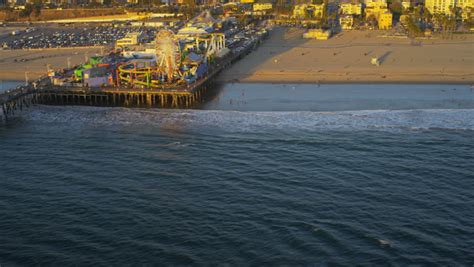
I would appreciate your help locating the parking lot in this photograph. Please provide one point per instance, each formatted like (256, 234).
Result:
(73, 36)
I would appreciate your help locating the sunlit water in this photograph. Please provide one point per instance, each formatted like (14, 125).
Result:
(286, 182)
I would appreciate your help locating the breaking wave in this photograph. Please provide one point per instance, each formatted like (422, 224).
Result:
(246, 121)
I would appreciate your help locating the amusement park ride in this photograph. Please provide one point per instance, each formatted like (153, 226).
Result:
(178, 61)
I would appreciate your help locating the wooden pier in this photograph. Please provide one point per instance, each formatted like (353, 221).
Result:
(183, 96)
(15, 100)
(123, 97)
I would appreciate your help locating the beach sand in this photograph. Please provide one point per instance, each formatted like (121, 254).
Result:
(35, 61)
(288, 58)
(285, 57)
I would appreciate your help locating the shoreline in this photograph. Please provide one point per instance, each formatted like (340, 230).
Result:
(388, 82)
(301, 79)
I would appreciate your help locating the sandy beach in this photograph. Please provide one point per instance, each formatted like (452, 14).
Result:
(285, 57)
(288, 58)
(14, 63)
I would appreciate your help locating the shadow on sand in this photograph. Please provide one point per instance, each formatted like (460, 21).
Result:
(280, 41)
(384, 57)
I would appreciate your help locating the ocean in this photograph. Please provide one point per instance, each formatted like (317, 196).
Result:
(262, 174)
(7, 85)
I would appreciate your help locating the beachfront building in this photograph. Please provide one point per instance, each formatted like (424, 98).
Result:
(383, 16)
(346, 22)
(317, 34)
(318, 10)
(384, 20)
(467, 7)
(468, 14)
(378, 4)
(465, 3)
(442, 7)
(304, 11)
(379, 10)
(262, 6)
(406, 4)
(374, 8)
(373, 11)
(445, 7)
(299, 11)
(350, 7)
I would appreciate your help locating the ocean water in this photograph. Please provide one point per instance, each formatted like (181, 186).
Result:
(369, 180)
(7, 85)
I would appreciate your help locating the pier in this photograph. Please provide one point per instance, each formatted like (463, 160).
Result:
(44, 92)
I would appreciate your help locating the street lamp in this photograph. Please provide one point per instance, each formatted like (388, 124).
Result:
(26, 78)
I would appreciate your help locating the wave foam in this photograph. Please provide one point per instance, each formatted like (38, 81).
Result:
(454, 119)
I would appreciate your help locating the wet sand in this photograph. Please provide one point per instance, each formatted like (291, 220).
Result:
(288, 58)
(35, 61)
(339, 97)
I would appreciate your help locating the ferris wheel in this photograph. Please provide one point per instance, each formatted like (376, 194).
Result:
(168, 54)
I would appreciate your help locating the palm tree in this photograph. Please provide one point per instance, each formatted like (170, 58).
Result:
(426, 16)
